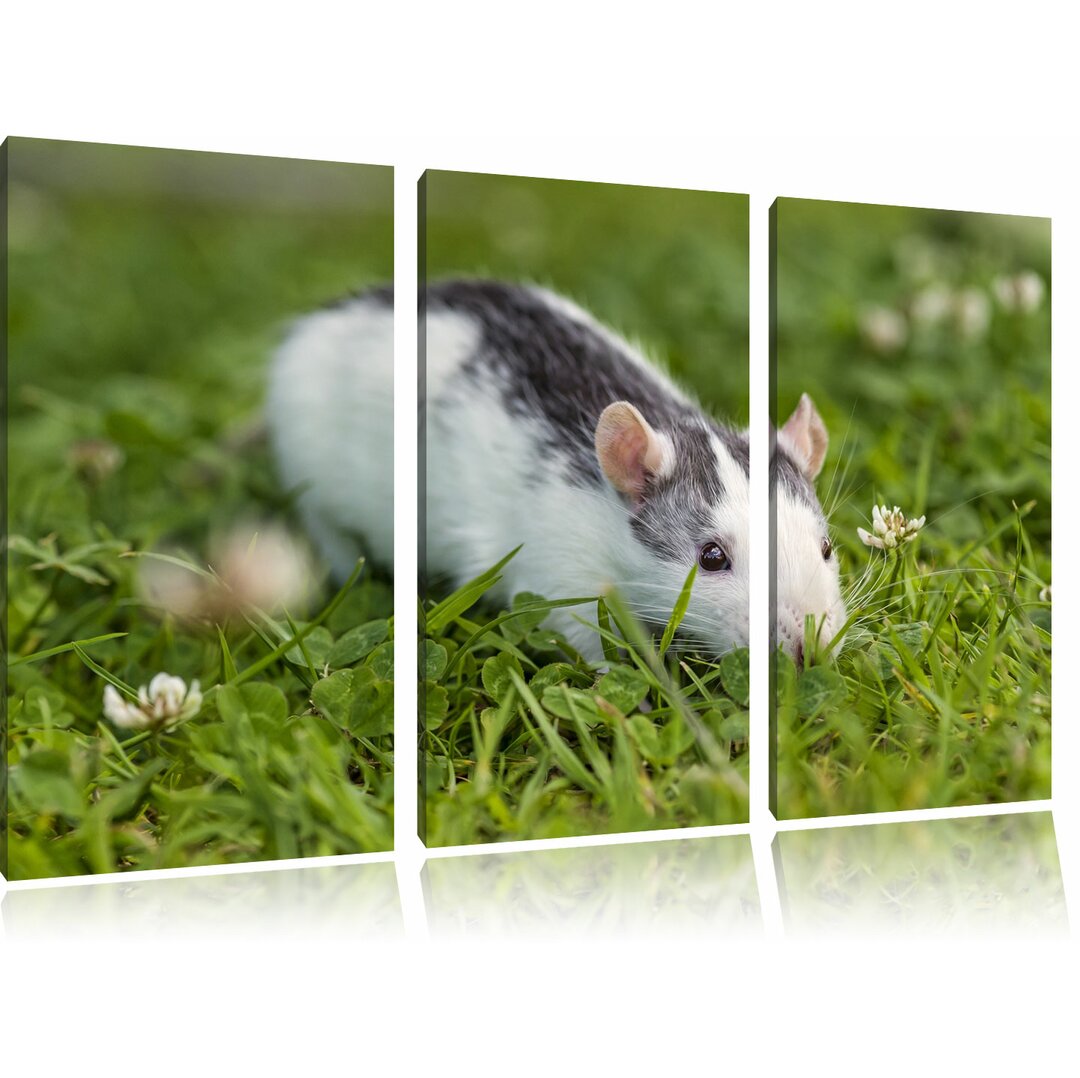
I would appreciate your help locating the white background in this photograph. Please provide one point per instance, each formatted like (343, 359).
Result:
(921, 104)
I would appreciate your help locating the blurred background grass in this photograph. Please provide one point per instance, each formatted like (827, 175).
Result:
(147, 290)
(924, 338)
(888, 317)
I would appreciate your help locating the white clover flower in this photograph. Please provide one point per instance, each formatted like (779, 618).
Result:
(182, 592)
(971, 309)
(1044, 594)
(891, 529)
(1021, 293)
(931, 305)
(263, 567)
(884, 329)
(167, 700)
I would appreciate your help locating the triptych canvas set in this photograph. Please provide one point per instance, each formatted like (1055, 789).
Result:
(199, 507)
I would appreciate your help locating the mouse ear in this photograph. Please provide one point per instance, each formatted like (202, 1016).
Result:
(806, 434)
(628, 449)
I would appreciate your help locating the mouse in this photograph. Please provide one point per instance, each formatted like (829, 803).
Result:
(545, 430)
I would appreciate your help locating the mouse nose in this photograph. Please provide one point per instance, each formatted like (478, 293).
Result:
(797, 653)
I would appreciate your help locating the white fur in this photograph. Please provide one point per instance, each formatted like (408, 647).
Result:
(719, 610)
(806, 584)
(330, 412)
(479, 505)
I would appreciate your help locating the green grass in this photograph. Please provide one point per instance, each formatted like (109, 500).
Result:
(142, 321)
(522, 738)
(938, 691)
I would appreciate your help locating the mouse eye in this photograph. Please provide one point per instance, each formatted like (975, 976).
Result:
(713, 558)
(826, 549)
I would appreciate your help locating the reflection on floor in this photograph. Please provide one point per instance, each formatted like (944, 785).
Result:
(978, 876)
(700, 886)
(989, 875)
(346, 902)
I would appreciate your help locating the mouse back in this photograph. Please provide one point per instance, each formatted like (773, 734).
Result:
(330, 413)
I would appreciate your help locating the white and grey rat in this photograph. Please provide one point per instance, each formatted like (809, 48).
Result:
(544, 429)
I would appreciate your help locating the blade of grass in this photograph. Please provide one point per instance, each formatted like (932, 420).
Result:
(38, 656)
(632, 629)
(101, 672)
(441, 614)
(268, 660)
(314, 674)
(564, 755)
(679, 612)
(129, 769)
(228, 666)
(611, 652)
(170, 559)
(494, 624)
(597, 759)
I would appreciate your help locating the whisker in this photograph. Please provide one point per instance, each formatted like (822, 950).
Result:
(846, 462)
(844, 501)
(960, 505)
(937, 573)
